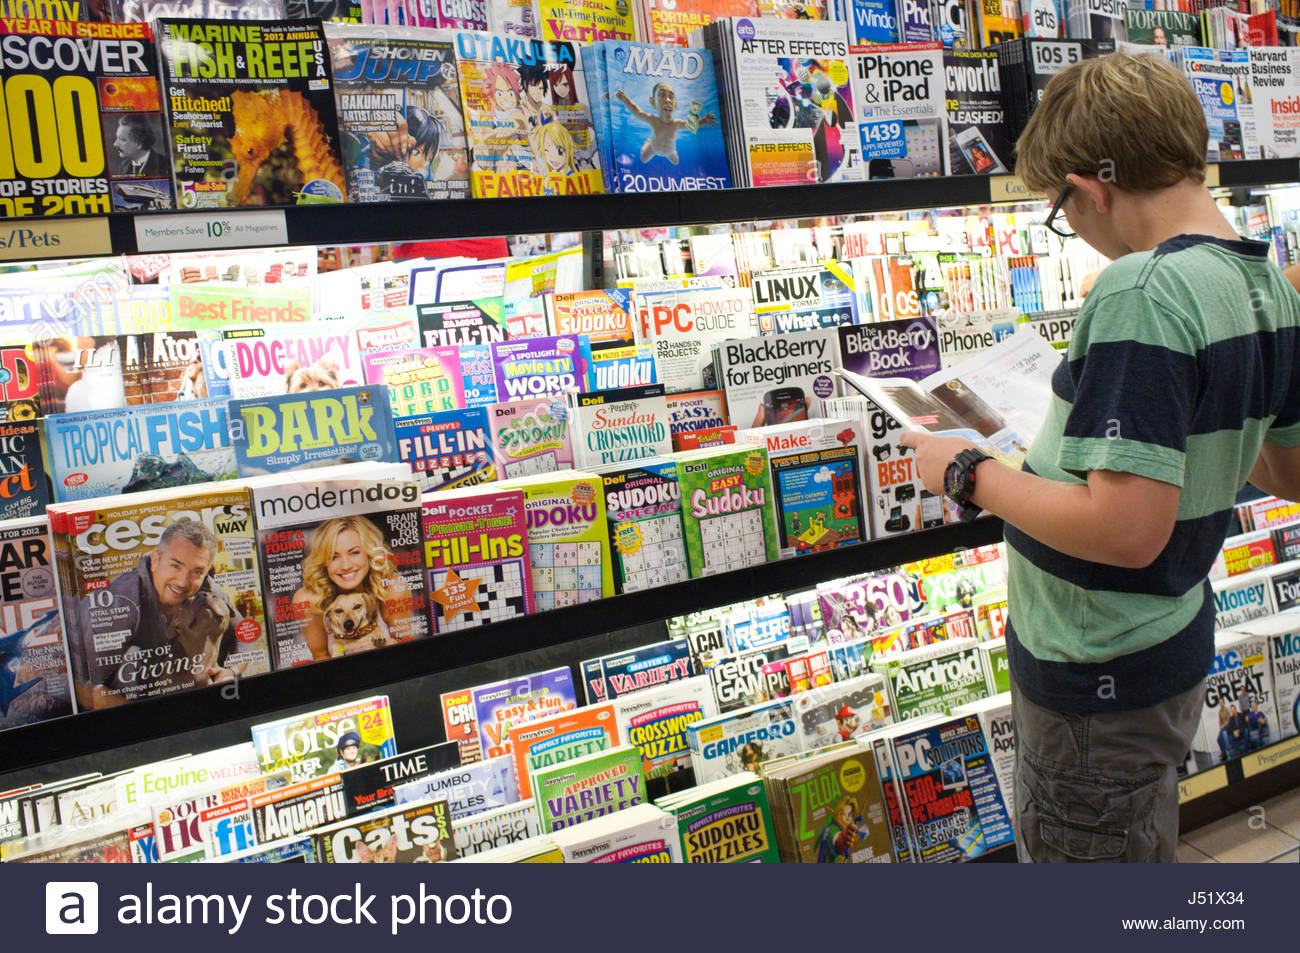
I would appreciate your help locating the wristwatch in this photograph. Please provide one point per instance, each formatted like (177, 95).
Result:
(959, 481)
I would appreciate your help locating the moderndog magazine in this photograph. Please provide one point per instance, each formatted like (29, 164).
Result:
(343, 563)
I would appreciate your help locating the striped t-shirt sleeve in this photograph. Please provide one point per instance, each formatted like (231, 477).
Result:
(1134, 381)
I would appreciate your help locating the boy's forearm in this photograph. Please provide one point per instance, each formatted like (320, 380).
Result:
(1285, 485)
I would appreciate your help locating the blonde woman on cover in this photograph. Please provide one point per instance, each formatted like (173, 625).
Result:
(348, 555)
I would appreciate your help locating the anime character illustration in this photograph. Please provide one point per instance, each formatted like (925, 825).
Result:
(563, 92)
(535, 80)
(510, 126)
(663, 127)
(553, 150)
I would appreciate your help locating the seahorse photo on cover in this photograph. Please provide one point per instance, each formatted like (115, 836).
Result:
(250, 110)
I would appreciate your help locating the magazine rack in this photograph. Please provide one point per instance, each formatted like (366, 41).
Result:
(413, 673)
(416, 221)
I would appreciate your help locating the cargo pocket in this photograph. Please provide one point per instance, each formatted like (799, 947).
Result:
(1070, 815)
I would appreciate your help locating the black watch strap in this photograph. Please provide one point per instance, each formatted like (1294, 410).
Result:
(959, 481)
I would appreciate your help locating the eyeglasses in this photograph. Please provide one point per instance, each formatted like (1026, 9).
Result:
(1063, 228)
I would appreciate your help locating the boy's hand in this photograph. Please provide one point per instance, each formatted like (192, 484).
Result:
(933, 454)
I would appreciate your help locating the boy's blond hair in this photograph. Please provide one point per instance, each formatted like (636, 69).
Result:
(1133, 121)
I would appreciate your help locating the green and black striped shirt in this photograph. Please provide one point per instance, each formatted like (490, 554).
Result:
(1183, 363)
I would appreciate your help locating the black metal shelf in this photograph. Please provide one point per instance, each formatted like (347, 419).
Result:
(415, 221)
(218, 712)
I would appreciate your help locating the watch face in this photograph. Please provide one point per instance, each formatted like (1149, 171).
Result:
(952, 483)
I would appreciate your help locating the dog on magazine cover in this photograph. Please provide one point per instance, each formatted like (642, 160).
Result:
(179, 623)
(322, 375)
(348, 556)
(353, 624)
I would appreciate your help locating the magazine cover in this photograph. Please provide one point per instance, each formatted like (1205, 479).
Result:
(313, 429)
(328, 740)
(447, 450)
(587, 22)
(461, 322)
(24, 486)
(741, 740)
(831, 810)
(460, 725)
(476, 558)
(978, 139)
(950, 793)
(664, 126)
(796, 106)
(19, 386)
(530, 436)
(501, 706)
(370, 786)
(1240, 707)
(84, 130)
(671, 22)
(655, 719)
(551, 739)
(603, 315)
(1242, 598)
(34, 682)
(624, 673)
(468, 789)
(529, 123)
(139, 11)
(159, 596)
(801, 363)
(101, 372)
(999, 729)
(842, 710)
(544, 365)
(726, 823)
(690, 411)
(933, 678)
(568, 541)
(619, 426)
(405, 834)
(684, 326)
(1161, 27)
(297, 808)
(250, 109)
(207, 307)
(400, 123)
(805, 298)
(291, 359)
(817, 483)
(1274, 75)
(421, 380)
(149, 447)
(621, 365)
(640, 834)
(512, 824)
(345, 584)
(898, 103)
(727, 516)
(585, 788)
(643, 504)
